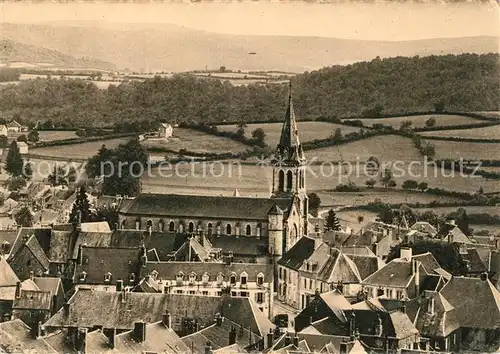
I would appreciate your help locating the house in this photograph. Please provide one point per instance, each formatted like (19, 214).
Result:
(32, 306)
(451, 233)
(47, 284)
(29, 257)
(165, 130)
(14, 127)
(251, 280)
(17, 337)
(290, 343)
(23, 147)
(189, 313)
(108, 268)
(477, 308)
(406, 277)
(9, 287)
(3, 130)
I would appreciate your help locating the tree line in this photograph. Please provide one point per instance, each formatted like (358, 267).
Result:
(466, 82)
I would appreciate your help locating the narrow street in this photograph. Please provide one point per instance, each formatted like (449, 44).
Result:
(281, 308)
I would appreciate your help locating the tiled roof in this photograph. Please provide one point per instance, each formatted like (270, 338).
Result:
(218, 336)
(396, 273)
(339, 268)
(334, 300)
(7, 275)
(91, 239)
(366, 265)
(424, 226)
(98, 261)
(34, 247)
(89, 308)
(330, 325)
(8, 236)
(169, 270)
(428, 261)
(92, 227)
(204, 206)
(452, 233)
(42, 235)
(33, 299)
(476, 301)
(231, 349)
(242, 245)
(163, 242)
(48, 284)
(59, 246)
(29, 284)
(358, 251)
(439, 323)
(58, 341)
(301, 251)
(473, 261)
(158, 339)
(16, 337)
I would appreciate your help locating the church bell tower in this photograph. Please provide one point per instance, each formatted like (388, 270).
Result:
(290, 164)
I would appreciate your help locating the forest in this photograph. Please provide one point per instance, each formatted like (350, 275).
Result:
(452, 83)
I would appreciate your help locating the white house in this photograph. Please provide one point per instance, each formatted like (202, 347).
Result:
(23, 147)
(165, 130)
(14, 127)
(3, 130)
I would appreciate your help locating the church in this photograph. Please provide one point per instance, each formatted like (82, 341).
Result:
(278, 221)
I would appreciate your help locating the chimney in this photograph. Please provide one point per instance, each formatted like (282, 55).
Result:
(116, 226)
(416, 271)
(140, 331)
(296, 340)
(406, 253)
(288, 339)
(32, 275)
(81, 341)
(431, 305)
(352, 325)
(123, 296)
(208, 348)
(18, 290)
(218, 319)
(232, 335)
(36, 330)
(79, 257)
(230, 257)
(167, 319)
(119, 285)
(112, 338)
(270, 339)
(66, 308)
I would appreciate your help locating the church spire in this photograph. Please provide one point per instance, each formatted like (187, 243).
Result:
(289, 147)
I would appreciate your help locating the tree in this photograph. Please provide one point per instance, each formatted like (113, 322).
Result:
(15, 184)
(28, 170)
(406, 125)
(430, 122)
(240, 131)
(81, 208)
(481, 190)
(72, 175)
(96, 165)
(33, 136)
(22, 138)
(59, 176)
(24, 217)
(372, 165)
(422, 186)
(259, 135)
(428, 150)
(371, 183)
(410, 184)
(385, 213)
(386, 179)
(337, 136)
(332, 223)
(314, 203)
(14, 164)
(461, 220)
(360, 218)
(4, 142)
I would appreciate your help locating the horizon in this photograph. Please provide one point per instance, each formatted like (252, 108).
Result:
(349, 21)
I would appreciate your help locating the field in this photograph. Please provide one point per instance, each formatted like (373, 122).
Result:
(419, 121)
(43, 168)
(51, 135)
(492, 114)
(492, 132)
(307, 130)
(466, 150)
(77, 151)
(196, 141)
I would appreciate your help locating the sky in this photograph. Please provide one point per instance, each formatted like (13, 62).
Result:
(382, 21)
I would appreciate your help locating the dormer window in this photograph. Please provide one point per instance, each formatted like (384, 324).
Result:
(107, 277)
(220, 279)
(83, 276)
(131, 278)
(154, 274)
(192, 278)
(232, 279)
(179, 277)
(205, 278)
(260, 279)
(243, 278)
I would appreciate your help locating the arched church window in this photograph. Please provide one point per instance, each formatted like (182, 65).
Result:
(171, 226)
(248, 230)
(281, 181)
(289, 180)
(228, 229)
(191, 227)
(209, 229)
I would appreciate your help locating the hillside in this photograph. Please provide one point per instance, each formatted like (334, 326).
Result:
(467, 82)
(163, 47)
(25, 55)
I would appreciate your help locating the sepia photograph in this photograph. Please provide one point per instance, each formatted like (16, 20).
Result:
(231, 177)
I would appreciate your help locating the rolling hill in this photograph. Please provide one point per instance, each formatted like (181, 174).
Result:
(24, 55)
(166, 47)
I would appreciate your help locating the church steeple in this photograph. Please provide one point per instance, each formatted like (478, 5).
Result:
(289, 148)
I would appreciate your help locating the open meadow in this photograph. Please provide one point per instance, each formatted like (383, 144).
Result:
(466, 150)
(419, 121)
(308, 130)
(77, 151)
(51, 135)
(196, 141)
(492, 132)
